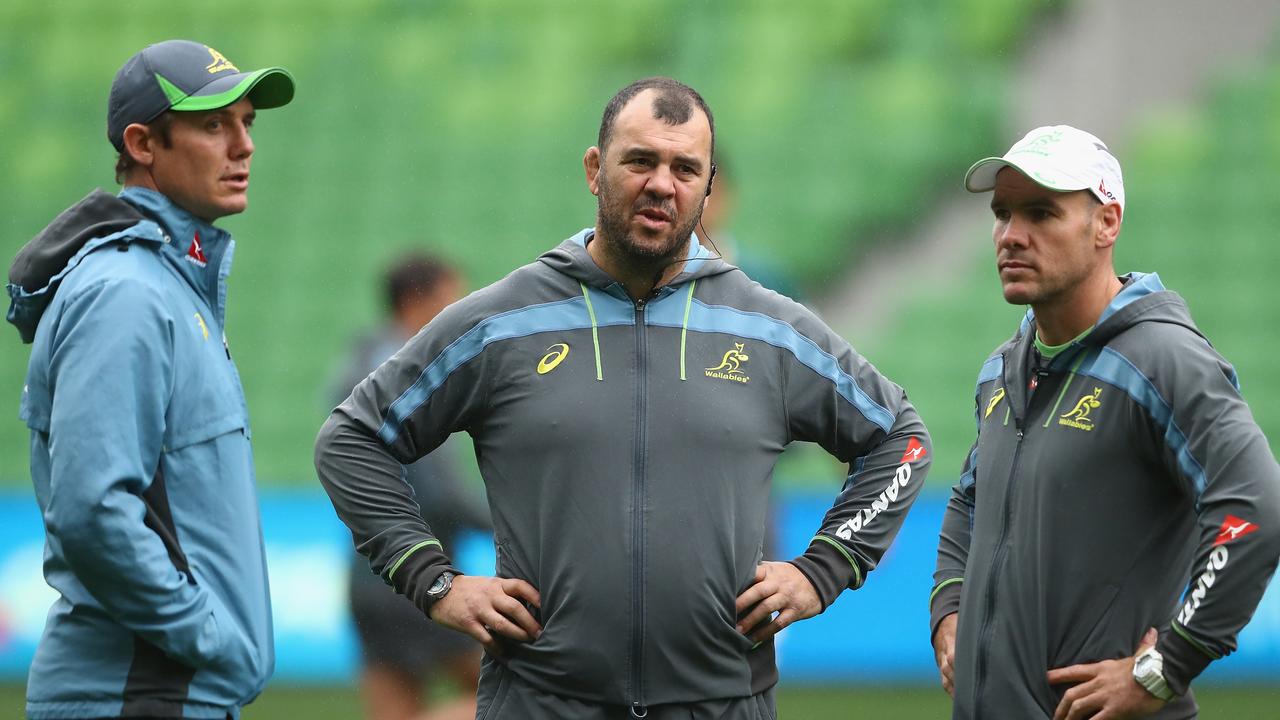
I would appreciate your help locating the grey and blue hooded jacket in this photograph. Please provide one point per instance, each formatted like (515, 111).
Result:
(627, 449)
(141, 461)
(1120, 486)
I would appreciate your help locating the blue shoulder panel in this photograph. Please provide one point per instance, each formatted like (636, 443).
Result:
(1140, 285)
(757, 326)
(1112, 367)
(568, 314)
(991, 369)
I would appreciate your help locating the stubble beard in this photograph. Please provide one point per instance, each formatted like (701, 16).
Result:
(614, 222)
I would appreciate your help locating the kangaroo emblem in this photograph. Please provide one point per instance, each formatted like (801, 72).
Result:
(733, 360)
(1078, 416)
(730, 367)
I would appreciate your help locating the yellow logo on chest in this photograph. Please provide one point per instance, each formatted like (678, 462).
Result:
(555, 355)
(995, 400)
(1079, 416)
(730, 367)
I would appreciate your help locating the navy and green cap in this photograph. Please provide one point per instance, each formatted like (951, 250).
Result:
(186, 76)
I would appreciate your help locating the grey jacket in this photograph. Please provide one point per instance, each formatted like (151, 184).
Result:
(1101, 486)
(627, 450)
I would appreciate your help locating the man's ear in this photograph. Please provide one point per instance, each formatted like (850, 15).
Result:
(138, 144)
(591, 163)
(1109, 218)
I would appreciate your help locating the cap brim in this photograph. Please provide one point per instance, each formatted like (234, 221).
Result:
(266, 88)
(982, 176)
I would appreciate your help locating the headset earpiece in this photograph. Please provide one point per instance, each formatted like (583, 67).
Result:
(711, 179)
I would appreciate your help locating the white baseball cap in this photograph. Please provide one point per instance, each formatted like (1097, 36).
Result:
(1058, 157)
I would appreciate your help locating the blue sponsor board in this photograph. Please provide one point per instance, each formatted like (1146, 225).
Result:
(879, 633)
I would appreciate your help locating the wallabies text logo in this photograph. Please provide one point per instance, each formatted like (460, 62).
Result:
(730, 367)
(555, 355)
(1078, 417)
(220, 62)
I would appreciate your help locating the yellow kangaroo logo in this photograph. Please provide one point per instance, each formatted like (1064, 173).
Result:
(1078, 416)
(732, 361)
(204, 329)
(220, 62)
(730, 367)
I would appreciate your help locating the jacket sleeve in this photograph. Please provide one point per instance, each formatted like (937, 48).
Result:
(429, 389)
(111, 373)
(840, 401)
(1213, 445)
(953, 545)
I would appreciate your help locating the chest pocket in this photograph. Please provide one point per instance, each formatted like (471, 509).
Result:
(207, 399)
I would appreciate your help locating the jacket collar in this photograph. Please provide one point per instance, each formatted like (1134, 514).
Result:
(198, 251)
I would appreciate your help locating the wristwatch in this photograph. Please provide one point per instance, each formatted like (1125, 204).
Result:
(439, 588)
(1148, 671)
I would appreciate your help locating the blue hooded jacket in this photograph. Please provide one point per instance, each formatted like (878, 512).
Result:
(142, 466)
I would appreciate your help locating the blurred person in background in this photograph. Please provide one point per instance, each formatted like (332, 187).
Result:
(401, 649)
(1118, 518)
(628, 394)
(140, 450)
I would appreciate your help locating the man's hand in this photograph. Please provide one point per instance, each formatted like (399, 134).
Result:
(944, 652)
(486, 606)
(1106, 689)
(779, 587)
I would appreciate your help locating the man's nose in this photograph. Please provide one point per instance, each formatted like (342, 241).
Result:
(1010, 233)
(241, 144)
(661, 182)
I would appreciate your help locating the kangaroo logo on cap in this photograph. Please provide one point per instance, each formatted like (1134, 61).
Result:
(220, 62)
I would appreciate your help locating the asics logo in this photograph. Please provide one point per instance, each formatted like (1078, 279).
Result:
(995, 400)
(555, 355)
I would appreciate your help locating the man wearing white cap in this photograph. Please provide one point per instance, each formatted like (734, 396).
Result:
(1118, 517)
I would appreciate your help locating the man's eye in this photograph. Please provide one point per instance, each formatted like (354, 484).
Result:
(1001, 214)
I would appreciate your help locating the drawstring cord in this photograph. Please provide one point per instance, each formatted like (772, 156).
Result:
(595, 334)
(684, 326)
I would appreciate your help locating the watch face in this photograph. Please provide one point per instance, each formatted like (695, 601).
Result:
(439, 585)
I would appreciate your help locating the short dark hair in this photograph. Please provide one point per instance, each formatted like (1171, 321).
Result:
(674, 104)
(162, 128)
(414, 275)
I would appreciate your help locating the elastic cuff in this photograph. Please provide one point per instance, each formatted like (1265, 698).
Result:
(828, 569)
(945, 601)
(1183, 661)
(414, 574)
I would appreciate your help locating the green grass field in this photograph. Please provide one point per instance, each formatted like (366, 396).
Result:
(284, 702)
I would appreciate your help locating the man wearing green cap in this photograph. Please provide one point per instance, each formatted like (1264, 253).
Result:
(1118, 518)
(140, 451)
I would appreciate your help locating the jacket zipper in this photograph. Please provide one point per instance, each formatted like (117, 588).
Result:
(638, 708)
(984, 631)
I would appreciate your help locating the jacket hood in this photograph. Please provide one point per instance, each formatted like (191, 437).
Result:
(571, 258)
(137, 214)
(1143, 298)
(41, 264)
